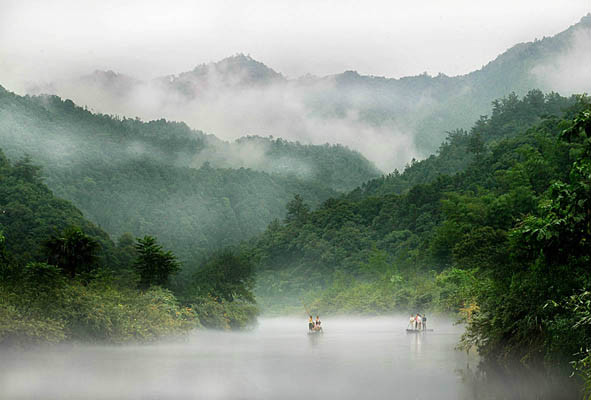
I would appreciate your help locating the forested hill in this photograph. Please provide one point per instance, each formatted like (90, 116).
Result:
(410, 115)
(30, 214)
(169, 142)
(505, 165)
(185, 187)
(63, 279)
(331, 165)
(510, 116)
(505, 242)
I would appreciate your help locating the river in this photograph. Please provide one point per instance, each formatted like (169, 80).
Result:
(354, 359)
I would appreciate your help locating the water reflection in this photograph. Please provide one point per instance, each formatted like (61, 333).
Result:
(314, 338)
(415, 342)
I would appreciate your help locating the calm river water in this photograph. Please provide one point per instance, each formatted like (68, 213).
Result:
(354, 359)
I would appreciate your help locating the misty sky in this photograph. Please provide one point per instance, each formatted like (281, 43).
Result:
(48, 40)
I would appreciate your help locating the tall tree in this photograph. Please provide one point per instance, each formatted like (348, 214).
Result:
(72, 250)
(297, 210)
(154, 265)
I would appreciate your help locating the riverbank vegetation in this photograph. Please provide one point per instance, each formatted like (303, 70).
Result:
(502, 238)
(63, 279)
(496, 227)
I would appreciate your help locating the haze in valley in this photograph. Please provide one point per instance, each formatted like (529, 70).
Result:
(303, 72)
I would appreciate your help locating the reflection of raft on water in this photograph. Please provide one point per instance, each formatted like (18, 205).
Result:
(316, 332)
(418, 330)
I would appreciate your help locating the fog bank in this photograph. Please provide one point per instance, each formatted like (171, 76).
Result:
(355, 358)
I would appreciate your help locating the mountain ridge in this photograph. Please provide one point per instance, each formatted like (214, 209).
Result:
(193, 191)
(248, 60)
(389, 120)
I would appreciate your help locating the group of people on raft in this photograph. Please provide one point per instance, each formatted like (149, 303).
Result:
(314, 326)
(418, 322)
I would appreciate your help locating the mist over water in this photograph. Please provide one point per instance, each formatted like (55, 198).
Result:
(355, 358)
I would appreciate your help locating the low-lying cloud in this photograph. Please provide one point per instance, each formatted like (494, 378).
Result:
(571, 71)
(233, 108)
(389, 121)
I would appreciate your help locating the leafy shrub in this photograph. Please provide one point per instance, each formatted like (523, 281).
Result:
(18, 328)
(214, 313)
(97, 312)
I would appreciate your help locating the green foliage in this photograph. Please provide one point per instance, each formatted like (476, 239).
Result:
(227, 275)
(331, 165)
(18, 328)
(495, 242)
(161, 178)
(297, 210)
(394, 293)
(510, 118)
(521, 313)
(3, 255)
(72, 250)
(125, 251)
(214, 313)
(570, 332)
(97, 300)
(30, 214)
(96, 312)
(457, 289)
(100, 313)
(154, 265)
(579, 306)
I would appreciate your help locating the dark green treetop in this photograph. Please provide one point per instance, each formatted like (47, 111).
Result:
(154, 265)
(227, 275)
(72, 250)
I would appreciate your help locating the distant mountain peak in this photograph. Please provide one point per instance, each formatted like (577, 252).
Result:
(239, 70)
(240, 60)
(107, 75)
(120, 84)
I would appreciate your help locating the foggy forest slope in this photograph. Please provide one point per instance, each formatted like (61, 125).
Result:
(375, 249)
(159, 185)
(388, 120)
(192, 190)
(503, 242)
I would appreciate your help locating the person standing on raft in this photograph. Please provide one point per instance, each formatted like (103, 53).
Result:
(317, 326)
(310, 324)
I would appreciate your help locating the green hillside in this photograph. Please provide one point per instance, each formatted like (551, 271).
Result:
(63, 279)
(29, 214)
(57, 270)
(504, 241)
(509, 116)
(164, 179)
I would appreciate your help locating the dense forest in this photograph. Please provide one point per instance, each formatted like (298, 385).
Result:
(495, 227)
(193, 191)
(212, 200)
(63, 278)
